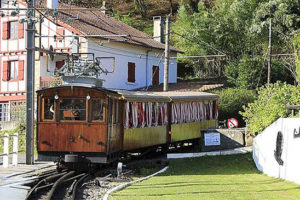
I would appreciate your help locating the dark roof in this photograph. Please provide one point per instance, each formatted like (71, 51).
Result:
(144, 96)
(79, 85)
(90, 22)
(166, 96)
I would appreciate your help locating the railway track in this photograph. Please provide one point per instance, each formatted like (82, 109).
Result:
(55, 185)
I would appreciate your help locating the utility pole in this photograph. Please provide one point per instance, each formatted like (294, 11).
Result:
(167, 55)
(270, 52)
(30, 83)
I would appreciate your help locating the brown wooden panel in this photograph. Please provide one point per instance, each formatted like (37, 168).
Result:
(73, 92)
(72, 137)
(115, 137)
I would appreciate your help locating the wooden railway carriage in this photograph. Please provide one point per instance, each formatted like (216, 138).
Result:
(82, 122)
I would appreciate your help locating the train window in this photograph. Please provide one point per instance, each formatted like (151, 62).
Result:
(98, 109)
(48, 109)
(73, 109)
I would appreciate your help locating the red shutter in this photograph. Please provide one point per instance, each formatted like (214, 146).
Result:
(5, 76)
(60, 32)
(5, 34)
(21, 70)
(131, 72)
(20, 30)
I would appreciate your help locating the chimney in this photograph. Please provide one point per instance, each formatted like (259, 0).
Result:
(103, 8)
(52, 4)
(158, 28)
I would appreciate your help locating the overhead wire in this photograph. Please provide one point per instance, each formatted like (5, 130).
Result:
(209, 45)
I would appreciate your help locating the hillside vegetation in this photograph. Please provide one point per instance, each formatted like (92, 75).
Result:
(138, 13)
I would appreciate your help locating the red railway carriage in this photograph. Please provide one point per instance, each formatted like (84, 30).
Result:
(82, 122)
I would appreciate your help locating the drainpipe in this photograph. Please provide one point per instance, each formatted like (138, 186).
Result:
(147, 55)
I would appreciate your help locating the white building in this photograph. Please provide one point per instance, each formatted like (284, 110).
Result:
(137, 59)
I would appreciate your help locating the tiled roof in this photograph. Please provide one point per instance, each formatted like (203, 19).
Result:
(90, 22)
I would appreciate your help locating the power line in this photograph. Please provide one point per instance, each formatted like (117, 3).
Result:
(205, 56)
(200, 41)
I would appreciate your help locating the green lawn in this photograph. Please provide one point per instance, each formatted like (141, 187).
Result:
(221, 177)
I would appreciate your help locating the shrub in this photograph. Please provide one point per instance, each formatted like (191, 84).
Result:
(231, 102)
(270, 105)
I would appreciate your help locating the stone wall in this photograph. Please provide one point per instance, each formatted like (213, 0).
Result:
(229, 139)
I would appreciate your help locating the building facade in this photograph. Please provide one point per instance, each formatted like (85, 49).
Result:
(132, 58)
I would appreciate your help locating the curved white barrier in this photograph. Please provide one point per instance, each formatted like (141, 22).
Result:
(119, 187)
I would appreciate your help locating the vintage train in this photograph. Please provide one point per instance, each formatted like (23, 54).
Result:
(88, 123)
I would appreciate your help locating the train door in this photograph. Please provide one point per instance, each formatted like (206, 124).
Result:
(114, 125)
(155, 75)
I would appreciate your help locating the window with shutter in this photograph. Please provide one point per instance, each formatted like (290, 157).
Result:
(131, 72)
(155, 75)
(5, 34)
(14, 70)
(5, 67)
(21, 70)
(13, 32)
(60, 32)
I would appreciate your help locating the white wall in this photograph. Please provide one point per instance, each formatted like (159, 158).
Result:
(264, 146)
(17, 50)
(124, 53)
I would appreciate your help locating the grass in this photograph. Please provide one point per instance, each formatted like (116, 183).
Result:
(21, 140)
(211, 178)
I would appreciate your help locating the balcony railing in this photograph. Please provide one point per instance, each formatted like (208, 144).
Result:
(46, 82)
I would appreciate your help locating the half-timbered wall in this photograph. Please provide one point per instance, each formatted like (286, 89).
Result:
(13, 54)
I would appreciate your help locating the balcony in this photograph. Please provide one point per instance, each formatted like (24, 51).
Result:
(46, 82)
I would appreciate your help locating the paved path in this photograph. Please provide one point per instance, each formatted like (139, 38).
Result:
(13, 178)
(212, 153)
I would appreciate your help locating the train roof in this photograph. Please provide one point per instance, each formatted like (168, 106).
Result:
(166, 96)
(81, 85)
(145, 95)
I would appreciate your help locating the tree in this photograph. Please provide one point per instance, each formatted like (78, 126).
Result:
(297, 55)
(270, 105)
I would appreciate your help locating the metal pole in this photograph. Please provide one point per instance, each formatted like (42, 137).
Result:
(270, 52)
(30, 84)
(167, 52)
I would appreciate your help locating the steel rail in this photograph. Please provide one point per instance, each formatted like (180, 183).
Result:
(65, 181)
(57, 183)
(76, 185)
(45, 180)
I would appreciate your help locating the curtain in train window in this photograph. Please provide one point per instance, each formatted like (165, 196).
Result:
(48, 109)
(149, 114)
(184, 112)
(216, 110)
(127, 114)
(73, 109)
(145, 114)
(97, 109)
(155, 114)
(164, 113)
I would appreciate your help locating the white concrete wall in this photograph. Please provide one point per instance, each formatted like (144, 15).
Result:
(264, 146)
(124, 53)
